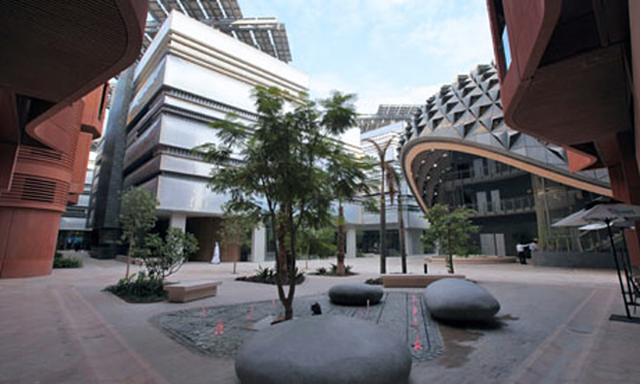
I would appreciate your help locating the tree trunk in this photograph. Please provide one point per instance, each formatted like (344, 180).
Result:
(340, 270)
(281, 260)
(383, 223)
(291, 265)
(126, 274)
(449, 254)
(403, 250)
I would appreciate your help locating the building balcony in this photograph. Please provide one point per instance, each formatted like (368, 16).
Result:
(472, 176)
(511, 206)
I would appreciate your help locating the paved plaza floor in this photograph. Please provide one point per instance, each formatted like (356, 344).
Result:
(554, 327)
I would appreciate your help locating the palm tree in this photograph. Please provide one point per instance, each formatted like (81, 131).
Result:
(348, 179)
(393, 180)
(382, 150)
(346, 171)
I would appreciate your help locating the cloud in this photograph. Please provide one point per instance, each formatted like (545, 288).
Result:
(461, 41)
(371, 94)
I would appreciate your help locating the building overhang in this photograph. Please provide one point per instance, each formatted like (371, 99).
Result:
(414, 153)
(565, 71)
(58, 51)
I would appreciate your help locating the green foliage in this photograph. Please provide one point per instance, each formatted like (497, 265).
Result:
(318, 242)
(236, 229)
(371, 206)
(333, 270)
(374, 281)
(66, 262)
(138, 212)
(139, 288)
(137, 216)
(165, 256)
(270, 276)
(283, 178)
(451, 230)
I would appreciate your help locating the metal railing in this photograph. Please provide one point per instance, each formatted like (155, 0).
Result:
(502, 206)
(484, 173)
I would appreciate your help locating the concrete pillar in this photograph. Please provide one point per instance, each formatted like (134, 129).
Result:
(351, 243)
(408, 243)
(178, 220)
(259, 244)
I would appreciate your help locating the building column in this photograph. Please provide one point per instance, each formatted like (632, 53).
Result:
(178, 220)
(259, 244)
(351, 243)
(408, 242)
(619, 155)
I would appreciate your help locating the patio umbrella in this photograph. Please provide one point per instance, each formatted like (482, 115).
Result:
(605, 213)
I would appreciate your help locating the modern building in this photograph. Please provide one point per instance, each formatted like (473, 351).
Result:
(52, 93)
(459, 151)
(388, 125)
(74, 232)
(569, 76)
(191, 75)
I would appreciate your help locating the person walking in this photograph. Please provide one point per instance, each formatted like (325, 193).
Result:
(216, 254)
(520, 249)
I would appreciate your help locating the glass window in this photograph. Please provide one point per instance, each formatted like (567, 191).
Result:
(506, 48)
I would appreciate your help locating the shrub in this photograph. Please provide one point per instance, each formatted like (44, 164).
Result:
(333, 271)
(165, 256)
(61, 262)
(270, 276)
(139, 288)
(375, 281)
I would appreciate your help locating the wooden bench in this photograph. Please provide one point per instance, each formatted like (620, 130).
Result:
(413, 281)
(191, 290)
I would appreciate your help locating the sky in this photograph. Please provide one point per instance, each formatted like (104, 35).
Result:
(384, 51)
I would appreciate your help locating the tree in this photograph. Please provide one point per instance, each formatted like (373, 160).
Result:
(382, 150)
(236, 231)
(283, 178)
(393, 180)
(316, 241)
(166, 256)
(137, 216)
(348, 179)
(451, 230)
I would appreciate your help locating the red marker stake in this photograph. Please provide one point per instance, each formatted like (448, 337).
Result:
(417, 345)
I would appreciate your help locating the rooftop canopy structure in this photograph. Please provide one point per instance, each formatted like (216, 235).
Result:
(386, 114)
(263, 33)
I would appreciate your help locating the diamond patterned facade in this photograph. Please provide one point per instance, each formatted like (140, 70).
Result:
(467, 116)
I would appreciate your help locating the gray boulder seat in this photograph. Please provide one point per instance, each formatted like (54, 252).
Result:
(460, 300)
(324, 349)
(355, 294)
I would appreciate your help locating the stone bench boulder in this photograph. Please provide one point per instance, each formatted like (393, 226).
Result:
(460, 300)
(324, 349)
(355, 294)
(191, 290)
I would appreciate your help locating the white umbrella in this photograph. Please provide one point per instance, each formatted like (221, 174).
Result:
(605, 213)
(601, 213)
